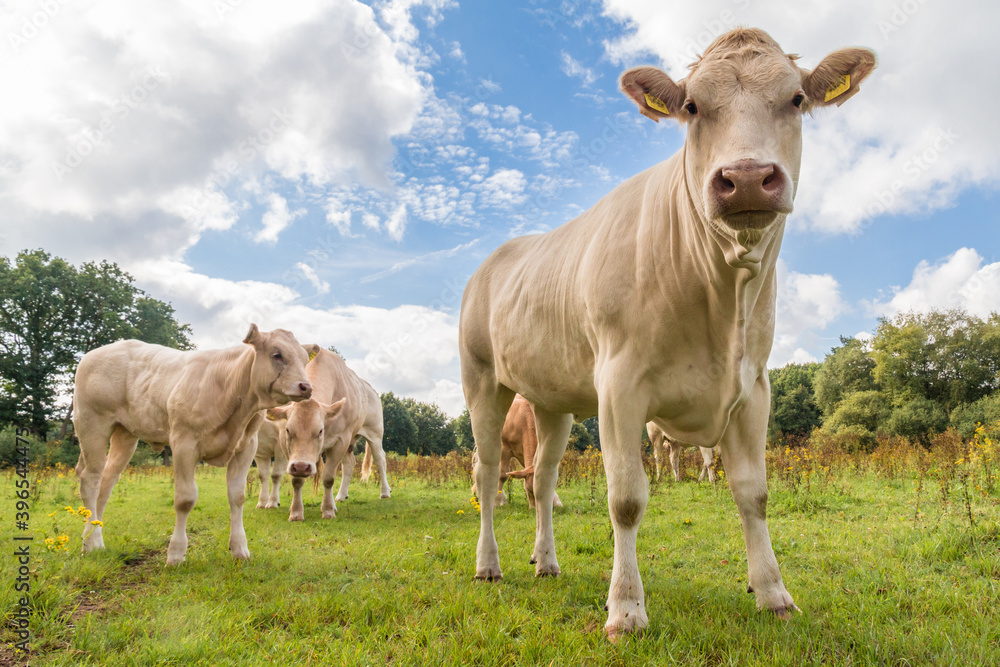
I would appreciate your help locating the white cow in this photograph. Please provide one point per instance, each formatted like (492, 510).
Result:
(205, 404)
(657, 302)
(664, 445)
(343, 408)
(269, 445)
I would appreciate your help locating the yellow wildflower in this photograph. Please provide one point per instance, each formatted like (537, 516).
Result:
(95, 522)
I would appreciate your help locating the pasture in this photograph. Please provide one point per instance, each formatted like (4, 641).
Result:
(893, 557)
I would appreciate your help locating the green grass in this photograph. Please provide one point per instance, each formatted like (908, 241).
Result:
(390, 582)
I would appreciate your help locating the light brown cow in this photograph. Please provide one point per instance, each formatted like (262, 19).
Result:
(343, 408)
(205, 404)
(661, 443)
(269, 445)
(520, 441)
(658, 302)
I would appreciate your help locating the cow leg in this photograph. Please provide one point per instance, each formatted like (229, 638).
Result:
(296, 512)
(743, 456)
(553, 434)
(263, 465)
(488, 403)
(122, 448)
(236, 486)
(277, 472)
(347, 472)
(334, 459)
(707, 464)
(657, 444)
(674, 451)
(374, 446)
(93, 435)
(621, 419)
(366, 463)
(185, 496)
(505, 457)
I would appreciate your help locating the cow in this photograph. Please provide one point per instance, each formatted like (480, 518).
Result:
(519, 442)
(205, 404)
(657, 302)
(661, 443)
(268, 446)
(343, 408)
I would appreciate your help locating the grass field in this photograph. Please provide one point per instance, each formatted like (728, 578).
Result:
(880, 581)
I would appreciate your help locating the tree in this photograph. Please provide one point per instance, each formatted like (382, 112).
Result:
(861, 413)
(968, 416)
(433, 434)
(400, 433)
(580, 438)
(593, 428)
(462, 426)
(51, 313)
(917, 419)
(793, 405)
(846, 370)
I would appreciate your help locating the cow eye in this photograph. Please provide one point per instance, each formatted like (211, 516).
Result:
(276, 356)
(691, 108)
(798, 100)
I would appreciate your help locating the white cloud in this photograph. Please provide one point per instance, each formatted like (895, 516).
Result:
(132, 114)
(572, 68)
(409, 349)
(421, 259)
(904, 144)
(806, 304)
(395, 226)
(276, 219)
(322, 286)
(503, 188)
(959, 281)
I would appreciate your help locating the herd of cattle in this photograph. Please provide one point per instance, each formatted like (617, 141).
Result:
(656, 305)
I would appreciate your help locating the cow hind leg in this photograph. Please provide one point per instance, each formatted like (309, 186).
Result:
(374, 446)
(185, 496)
(707, 464)
(347, 472)
(277, 472)
(94, 435)
(488, 403)
(263, 464)
(334, 460)
(675, 460)
(236, 487)
(553, 435)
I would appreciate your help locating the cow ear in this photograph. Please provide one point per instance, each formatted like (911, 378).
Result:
(312, 350)
(334, 409)
(254, 337)
(653, 91)
(277, 414)
(838, 77)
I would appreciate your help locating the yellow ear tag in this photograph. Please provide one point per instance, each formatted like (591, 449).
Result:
(268, 417)
(836, 91)
(312, 355)
(655, 103)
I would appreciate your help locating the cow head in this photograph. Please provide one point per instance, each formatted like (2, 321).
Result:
(743, 103)
(279, 367)
(304, 427)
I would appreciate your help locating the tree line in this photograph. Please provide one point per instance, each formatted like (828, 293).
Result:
(919, 374)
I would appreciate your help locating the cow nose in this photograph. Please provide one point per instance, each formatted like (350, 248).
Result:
(305, 390)
(748, 185)
(299, 469)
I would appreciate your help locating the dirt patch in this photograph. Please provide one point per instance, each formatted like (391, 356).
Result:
(129, 577)
(10, 658)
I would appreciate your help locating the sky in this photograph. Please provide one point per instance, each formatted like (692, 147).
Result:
(340, 168)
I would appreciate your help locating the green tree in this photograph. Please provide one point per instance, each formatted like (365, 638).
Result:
(51, 313)
(861, 413)
(793, 405)
(846, 370)
(967, 416)
(462, 426)
(433, 433)
(593, 428)
(917, 419)
(400, 434)
(580, 438)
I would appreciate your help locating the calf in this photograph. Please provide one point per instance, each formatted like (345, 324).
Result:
(343, 408)
(268, 446)
(658, 302)
(205, 404)
(672, 449)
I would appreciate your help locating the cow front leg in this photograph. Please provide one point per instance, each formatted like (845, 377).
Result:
(347, 472)
(553, 434)
(185, 496)
(236, 486)
(621, 419)
(743, 457)
(378, 454)
(277, 472)
(263, 497)
(334, 459)
(296, 513)
(674, 451)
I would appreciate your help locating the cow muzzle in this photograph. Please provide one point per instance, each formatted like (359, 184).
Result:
(301, 469)
(300, 391)
(747, 194)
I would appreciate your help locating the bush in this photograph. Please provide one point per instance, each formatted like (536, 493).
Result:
(967, 416)
(8, 448)
(866, 409)
(917, 419)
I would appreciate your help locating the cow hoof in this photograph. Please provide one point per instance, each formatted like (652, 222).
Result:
(329, 515)
(616, 633)
(532, 561)
(384, 496)
(271, 506)
(547, 570)
(631, 623)
(295, 517)
(340, 499)
(785, 613)
(241, 553)
(261, 506)
(174, 560)
(749, 589)
(489, 575)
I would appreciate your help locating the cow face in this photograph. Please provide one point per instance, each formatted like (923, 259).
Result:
(743, 102)
(279, 367)
(304, 427)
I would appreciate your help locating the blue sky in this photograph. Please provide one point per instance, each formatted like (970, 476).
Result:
(341, 168)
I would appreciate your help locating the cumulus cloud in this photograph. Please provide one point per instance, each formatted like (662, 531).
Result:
(901, 145)
(572, 68)
(322, 286)
(961, 280)
(806, 304)
(133, 112)
(502, 189)
(276, 219)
